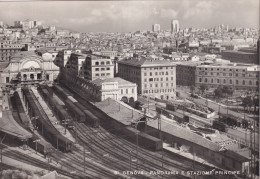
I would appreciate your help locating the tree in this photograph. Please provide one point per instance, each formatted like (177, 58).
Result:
(218, 92)
(203, 88)
(247, 102)
(256, 102)
(226, 90)
(192, 89)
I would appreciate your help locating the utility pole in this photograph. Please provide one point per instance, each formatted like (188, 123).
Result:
(161, 141)
(227, 105)
(57, 142)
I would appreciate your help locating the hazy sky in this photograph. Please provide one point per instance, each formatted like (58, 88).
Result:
(126, 16)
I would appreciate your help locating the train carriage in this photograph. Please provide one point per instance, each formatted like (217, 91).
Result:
(45, 126)
(61, 113)
(74, 111)
(62, 93)
(92, 119)
(43, 147)
(80, 112)
(144, 140)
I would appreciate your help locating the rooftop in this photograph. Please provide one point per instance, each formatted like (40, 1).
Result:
(119, 111)
(144, 61)
(230, 65)
(183, 133)
(3, 65)
(120, 81)
(239, 52)
(22, 54)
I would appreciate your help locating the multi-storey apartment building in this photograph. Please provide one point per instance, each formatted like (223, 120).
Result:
(154, 78)
(75, 64)
(8, 49)
(186, 73)
(98, 66)
(234, 75)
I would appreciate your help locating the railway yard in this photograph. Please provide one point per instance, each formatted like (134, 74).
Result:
(74, 139)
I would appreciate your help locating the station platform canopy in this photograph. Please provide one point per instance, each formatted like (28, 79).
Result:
(11, 127)
(120, 111)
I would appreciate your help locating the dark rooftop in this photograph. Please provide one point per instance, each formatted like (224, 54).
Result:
(144, 61)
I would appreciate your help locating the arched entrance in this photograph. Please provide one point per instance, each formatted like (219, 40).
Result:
(25, 77)
(32, 76)
(39, 76)
(124, 99)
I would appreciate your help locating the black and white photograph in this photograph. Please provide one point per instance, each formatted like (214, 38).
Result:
(131, 89)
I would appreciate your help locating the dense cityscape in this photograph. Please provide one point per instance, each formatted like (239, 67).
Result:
(171, 102)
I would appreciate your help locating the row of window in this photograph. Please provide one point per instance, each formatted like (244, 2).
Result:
(158, 91)
(228, 74)
(102, 69)
(157, 73)
(227, 81)
(102, 74)
(223, 69)
(127, 91)
(157, 79)
(157, 85)
(158, 68)
(102, 63)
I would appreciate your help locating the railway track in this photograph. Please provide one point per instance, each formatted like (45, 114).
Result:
(117, 161)
(146, 156)
(36, 162)
(179, 162)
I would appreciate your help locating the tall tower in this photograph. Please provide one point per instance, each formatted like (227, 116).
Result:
(156, 28)
(175, 27)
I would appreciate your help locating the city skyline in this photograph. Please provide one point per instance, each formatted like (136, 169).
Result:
(128, 16)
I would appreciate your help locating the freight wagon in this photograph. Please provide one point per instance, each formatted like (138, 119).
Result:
(59, 110)
(40, 145)
(144, 140)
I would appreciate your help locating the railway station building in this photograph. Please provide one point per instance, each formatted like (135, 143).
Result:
(27, 67)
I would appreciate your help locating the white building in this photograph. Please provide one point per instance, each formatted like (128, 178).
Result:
(175, 27)
(237, 76)
(156, 28)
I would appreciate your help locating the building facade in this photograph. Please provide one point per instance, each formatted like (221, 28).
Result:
(98, 66)
(8, 49)
(233, 75)
(156, 27)
(186, 74)
(100, 89)
(175, 27)
(154, 78)
(75, 64)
